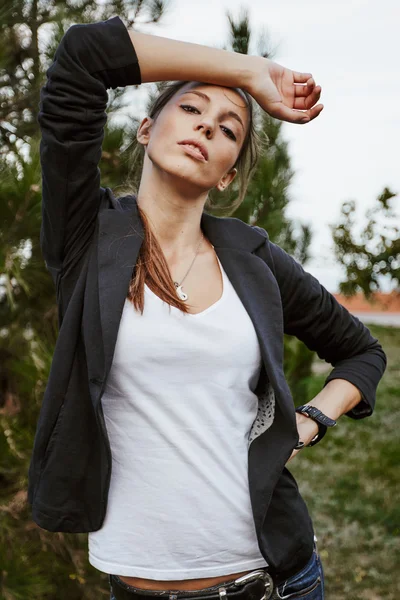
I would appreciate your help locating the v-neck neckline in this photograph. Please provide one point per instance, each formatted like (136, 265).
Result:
(209, 308)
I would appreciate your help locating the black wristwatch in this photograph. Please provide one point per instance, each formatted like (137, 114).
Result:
(316, 415)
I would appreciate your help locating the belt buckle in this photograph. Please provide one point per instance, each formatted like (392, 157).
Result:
(268, 586)
(259, 574)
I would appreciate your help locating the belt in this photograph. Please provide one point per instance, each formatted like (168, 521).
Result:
(256, 585)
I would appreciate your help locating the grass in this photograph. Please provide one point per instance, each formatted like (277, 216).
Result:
(351, 485)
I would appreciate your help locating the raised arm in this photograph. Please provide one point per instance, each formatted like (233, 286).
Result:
(284, 94)
(89, 59)
(94, 57)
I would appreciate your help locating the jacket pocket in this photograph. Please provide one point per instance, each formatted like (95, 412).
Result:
(53, 435)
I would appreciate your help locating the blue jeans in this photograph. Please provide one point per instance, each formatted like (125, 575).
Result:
(307, 584)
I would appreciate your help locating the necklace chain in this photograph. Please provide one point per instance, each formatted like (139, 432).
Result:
(178, 286)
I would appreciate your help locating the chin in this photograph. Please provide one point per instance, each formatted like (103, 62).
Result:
(184, 177)
(183, 173)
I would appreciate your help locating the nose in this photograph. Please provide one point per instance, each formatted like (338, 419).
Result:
(206, 124)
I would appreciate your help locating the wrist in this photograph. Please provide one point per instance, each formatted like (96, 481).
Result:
(258, 70)
(322, 420)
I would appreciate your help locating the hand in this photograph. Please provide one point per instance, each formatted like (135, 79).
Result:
(307, 429)
(284, 94)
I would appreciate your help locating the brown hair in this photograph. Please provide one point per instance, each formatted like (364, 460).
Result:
(151, 266)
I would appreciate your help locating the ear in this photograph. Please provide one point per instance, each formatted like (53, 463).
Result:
(143, 132)
(226, 180)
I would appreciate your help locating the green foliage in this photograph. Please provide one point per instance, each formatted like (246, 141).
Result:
(350, 483)
(377, 251)
(297, 364)
(34, 563)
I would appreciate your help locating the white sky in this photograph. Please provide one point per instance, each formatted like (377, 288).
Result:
(352, 48)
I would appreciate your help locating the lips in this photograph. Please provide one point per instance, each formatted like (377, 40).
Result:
(198, 145)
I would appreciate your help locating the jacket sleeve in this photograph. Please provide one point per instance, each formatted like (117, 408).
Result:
(72, 114)
(315, 317)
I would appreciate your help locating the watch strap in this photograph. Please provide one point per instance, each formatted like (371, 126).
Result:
(320, 418)
(316, 414)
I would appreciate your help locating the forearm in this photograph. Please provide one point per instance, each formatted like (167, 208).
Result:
(336, 398)
(164, 59)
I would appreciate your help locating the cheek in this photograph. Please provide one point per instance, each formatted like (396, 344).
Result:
(226, 160)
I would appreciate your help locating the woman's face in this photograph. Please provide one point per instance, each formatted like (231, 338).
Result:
(204, 113)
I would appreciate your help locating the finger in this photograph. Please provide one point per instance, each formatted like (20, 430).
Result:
(308, 101)
(312, 114)
(313, 98)
(305, 90)
(282, 112)
(301, 77)
(306, 98)
(301, 90)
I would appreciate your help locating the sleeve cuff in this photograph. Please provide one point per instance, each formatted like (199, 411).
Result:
(363, 408)
(106, 52)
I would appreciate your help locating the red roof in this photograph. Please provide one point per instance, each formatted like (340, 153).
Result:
(379, 302)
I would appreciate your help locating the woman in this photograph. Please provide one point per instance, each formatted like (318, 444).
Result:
(150, 437)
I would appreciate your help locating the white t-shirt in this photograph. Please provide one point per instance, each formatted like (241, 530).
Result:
(179, 404)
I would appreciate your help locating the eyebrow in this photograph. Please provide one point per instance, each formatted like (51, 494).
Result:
(229, 113)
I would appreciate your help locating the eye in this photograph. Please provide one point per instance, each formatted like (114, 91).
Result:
(230, 133)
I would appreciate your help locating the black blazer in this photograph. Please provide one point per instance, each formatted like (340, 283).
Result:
(90, 242)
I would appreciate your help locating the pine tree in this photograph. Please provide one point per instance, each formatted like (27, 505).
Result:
(34, 563)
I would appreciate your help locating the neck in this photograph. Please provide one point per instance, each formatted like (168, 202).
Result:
(176, 227)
